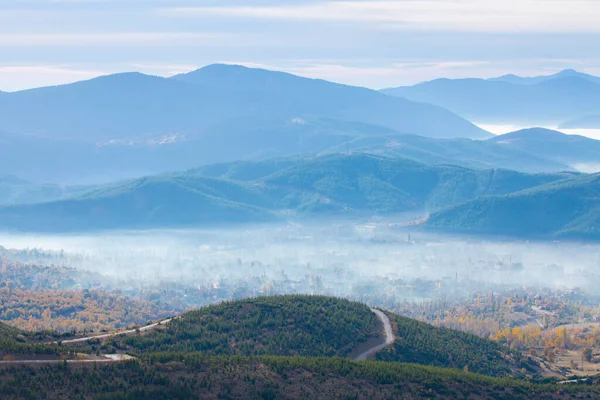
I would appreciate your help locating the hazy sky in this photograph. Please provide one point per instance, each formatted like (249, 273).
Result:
(370, 43)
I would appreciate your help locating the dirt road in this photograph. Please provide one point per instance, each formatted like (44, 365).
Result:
(107, 335)
(106, 358)
(389, 336)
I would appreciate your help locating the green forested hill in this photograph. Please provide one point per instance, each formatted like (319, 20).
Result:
(262, 191)
(17, 191)
(381, 184)
(549, 144)
(144, 203)
(318, 326)
(196, 376)
(282, 325)
(569, 208)
(421, 343)
(258, 348)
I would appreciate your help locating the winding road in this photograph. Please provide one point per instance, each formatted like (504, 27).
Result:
(107, 335)
(389, 335)
(387, 326)
(103, 358)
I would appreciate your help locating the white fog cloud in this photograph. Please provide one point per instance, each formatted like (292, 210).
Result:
(105, 38)
(31, 76)
(508, 16)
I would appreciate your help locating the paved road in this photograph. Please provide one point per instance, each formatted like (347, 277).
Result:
(107, 335)
(389, 336)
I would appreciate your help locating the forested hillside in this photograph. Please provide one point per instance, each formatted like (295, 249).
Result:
(75, 310)
(312, 326)
(18, 191)
(317, 326)
(7, 331)
(546, 143)
(17, 343)
(185, 376)
(257, 348)
(421, 343)
(264, 191)
(563, 209)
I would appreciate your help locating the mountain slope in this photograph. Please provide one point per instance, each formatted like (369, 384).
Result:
(357, 184)
(570, 149)
(336, 100)
(318, 326)
(549, 101)
(314, 326)
(422, 343)
(15, 342)
(144, 203)
(251, 138)
(380, 184)
(203, 355)
(131, 105)
(468, 153)
(568, 209)
(190, 376)
(538, 79)
(14, 190)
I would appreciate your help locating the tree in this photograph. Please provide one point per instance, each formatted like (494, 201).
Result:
(533, 352)
(551, 355)
(587, 354)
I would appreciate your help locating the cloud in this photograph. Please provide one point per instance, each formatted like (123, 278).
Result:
(106, 38)
(19, 77)
(495, 16)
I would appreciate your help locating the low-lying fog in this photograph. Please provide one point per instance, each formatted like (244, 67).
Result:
(342, 259)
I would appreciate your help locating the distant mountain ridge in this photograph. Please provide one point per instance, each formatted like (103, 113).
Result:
(511, 78)
(561, 209)
(550, 144)
(129, 124)
(65, 161)
(344, 185)
(546, 100)
(133, 104)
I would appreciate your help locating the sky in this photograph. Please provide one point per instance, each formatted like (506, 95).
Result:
(368, 43)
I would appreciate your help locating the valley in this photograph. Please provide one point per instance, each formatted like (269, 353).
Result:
(175, 225)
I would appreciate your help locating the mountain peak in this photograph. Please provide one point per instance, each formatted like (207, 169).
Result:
(123, 76)
(537, 131)
(568, 72)
(230, 71)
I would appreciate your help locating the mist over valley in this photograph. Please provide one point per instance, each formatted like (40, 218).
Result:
(278, 227)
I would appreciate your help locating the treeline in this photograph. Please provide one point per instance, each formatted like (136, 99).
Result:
(280, 325)
(14, 342)
(75, 310)
(34, 275)
(10, 349)
(187, 376)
